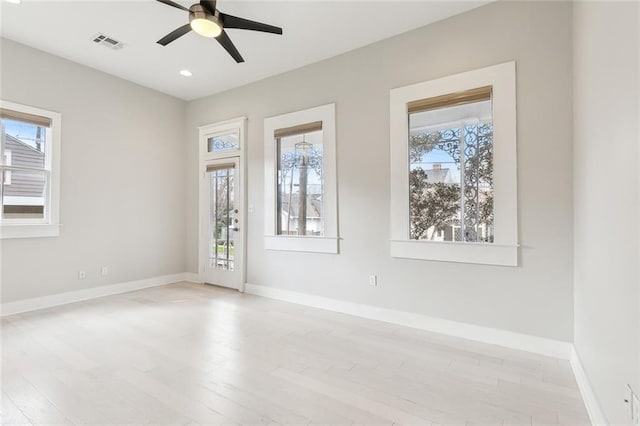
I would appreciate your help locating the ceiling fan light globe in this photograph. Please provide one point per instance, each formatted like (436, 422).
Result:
(206, 27)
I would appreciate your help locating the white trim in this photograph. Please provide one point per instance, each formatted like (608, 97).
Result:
(22, 230)
(23, 201)
(509, 339)
(328, 243)
(502, 78)
(36, 303)
(192, 277)
(446, 251)
(596, 415)
(222, 127)
(298, 243)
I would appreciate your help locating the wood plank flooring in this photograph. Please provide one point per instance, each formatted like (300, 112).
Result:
(189, 354)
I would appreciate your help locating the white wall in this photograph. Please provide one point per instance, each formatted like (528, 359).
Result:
(606, 213)
(534, 298)
(123, 178)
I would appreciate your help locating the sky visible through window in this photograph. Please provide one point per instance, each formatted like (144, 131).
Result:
(26, 132)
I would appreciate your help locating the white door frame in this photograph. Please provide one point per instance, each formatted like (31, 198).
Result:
(206, 157)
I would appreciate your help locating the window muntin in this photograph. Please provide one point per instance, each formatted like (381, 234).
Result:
(6, 176)
(223, 142)
(451, 168)
(300, 208)
(26, 167)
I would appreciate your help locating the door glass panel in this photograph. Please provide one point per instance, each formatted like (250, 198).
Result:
(224, 142)
(222, 217)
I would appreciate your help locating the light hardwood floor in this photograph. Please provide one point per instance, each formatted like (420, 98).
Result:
(192, 354)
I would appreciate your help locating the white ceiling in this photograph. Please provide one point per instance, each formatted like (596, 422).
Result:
(313, 30)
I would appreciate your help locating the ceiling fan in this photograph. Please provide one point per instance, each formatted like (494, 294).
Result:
(206, 20)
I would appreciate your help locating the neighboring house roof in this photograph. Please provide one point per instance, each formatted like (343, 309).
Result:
(438, 175)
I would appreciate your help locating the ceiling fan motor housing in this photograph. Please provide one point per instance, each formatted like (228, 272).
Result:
(196, 11)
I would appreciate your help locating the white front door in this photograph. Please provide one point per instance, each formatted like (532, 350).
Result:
(223, 262)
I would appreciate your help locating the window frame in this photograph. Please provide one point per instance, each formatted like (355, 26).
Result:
(49, 226)
(328, 243)
(504, 249)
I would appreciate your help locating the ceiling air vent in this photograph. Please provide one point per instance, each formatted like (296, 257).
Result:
(107, 41)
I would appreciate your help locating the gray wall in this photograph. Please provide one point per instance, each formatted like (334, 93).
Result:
(606, 114)
(534, 298)
(123, 178)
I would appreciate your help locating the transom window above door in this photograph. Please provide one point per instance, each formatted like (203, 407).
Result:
(223, 142)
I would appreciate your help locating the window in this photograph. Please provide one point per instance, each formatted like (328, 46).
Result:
(453, 162)
(300, 181)
(227, 141)
(451, 167)
(29, 189)
(300, 207)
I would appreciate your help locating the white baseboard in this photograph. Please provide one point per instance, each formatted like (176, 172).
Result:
(89, 293)
(192, 277)
(525, 342)
(596, 415)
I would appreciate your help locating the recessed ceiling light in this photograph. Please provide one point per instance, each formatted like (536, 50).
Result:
(186, 73)
(14, 1)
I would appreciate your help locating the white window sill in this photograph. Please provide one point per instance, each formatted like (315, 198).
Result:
(480, 253)
(297, 243)
(8, 231)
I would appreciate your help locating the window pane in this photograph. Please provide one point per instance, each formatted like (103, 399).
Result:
(24, 144)
(24, 197)
(224, 142)
(451, 173)
(478, 182)
(300, 185)
(222, 209)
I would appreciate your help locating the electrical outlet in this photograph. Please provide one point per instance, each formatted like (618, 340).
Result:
(82, 275)
(373, 280)
(104, 271)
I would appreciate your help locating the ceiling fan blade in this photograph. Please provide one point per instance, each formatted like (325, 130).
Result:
(229, 21)
(209, 5)
(174, 4)
(226, 42)
(175, 34)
